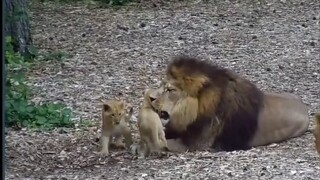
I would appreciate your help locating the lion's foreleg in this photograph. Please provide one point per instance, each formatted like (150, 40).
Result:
(176, 145)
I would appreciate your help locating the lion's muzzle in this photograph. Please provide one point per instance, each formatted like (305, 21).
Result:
(164, 115)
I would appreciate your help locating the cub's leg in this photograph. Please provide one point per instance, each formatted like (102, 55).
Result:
(155, 144)
(105, 140)
(162, 138)
(144, 149)
(118, 141)
(127, 136)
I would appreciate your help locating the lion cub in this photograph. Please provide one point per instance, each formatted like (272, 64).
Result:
(316, 133)
(152, 136)
(114, 125)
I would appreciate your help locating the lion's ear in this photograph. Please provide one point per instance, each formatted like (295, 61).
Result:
(194, 84)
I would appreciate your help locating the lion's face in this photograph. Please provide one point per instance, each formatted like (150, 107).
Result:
(166, 98)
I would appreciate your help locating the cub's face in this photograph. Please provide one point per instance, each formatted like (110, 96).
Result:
(166, 98)
(113, 111)
(316, 133)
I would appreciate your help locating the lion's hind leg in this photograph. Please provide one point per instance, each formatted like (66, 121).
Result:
(283, 117)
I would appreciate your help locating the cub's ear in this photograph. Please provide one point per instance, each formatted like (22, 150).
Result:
(106, 107)
(121, 104)
(145, 92)
(131, 110)
(318, 118)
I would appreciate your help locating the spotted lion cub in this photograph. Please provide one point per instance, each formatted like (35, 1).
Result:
(114, 125)
(316, 133)
(152, 137)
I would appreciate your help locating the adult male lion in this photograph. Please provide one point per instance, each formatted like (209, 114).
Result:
(212, 107)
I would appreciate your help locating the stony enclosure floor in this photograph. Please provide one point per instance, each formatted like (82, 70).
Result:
(118, 53)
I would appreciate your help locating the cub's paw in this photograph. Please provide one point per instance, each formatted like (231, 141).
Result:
(120, 145)
(142, 156)
(134, 149)
(104, 153)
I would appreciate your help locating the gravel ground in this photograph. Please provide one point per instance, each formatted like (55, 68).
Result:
(118, 53)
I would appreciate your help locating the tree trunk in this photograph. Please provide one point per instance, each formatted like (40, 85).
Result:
(17, 25)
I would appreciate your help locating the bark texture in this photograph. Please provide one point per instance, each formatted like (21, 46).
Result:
(17, 25)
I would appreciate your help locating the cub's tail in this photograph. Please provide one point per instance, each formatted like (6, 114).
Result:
(129, 114)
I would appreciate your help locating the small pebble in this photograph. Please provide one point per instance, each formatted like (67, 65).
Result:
(143, 25)
(281, 67)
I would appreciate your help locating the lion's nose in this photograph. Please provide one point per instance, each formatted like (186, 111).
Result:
(164, 115)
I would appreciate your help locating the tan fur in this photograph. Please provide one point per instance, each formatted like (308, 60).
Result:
(184, 111)
(192, 84)
(316, 133)
(150, 128)
(208, 100)
(218, 101)
(114, 125)
(282, 116)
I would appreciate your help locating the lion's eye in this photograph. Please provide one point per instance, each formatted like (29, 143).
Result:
(119, 114)
(112, 115)
(170, 89)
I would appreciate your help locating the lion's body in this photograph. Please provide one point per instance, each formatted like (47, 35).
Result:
(316, 133)
(150, 128)
(209, 106)
(281, 117)
(114, 125)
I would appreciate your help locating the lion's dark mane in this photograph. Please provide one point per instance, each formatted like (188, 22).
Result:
(238, 107)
